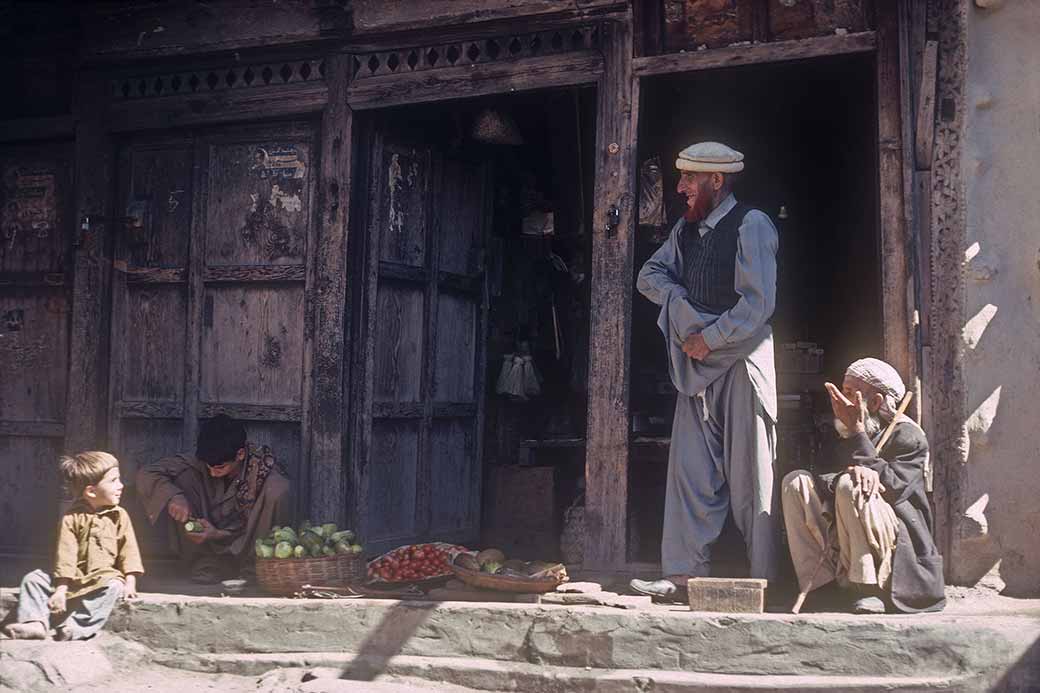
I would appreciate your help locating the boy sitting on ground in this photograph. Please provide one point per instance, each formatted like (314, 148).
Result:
(96, 561)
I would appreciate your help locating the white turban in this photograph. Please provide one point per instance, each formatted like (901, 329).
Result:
(880, 375)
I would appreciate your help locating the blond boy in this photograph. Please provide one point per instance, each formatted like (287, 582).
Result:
(96, 562)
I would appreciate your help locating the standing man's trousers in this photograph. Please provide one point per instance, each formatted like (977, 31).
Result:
(721, 458)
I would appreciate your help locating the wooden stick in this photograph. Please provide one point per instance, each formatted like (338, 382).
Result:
(892, 424)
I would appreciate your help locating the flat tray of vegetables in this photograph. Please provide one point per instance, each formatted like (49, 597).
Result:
(490, 570)
(421, 564)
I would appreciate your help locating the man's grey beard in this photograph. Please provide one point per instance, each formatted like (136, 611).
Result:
(871, 422)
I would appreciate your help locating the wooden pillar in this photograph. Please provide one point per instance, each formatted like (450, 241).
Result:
(896, 288)
(327, 478)
(606, 463)
(88, 334)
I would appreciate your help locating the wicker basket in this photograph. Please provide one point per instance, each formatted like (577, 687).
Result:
(286, 576)
(506, 583)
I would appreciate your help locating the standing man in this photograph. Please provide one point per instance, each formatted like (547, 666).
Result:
(715, 280)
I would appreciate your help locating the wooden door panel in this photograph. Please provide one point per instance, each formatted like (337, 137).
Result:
(252, 345)
(155, 343)
(284, 439)
(161, 183)
(453, 461)
(259, 205)
(455, 356)
(402, 236)
(392, 491)
(461, 208)
(400, 339)
(32, 492)
(142, 441)
(33, 354)
(34, 189)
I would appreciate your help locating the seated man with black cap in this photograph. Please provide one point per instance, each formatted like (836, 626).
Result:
(235, 489)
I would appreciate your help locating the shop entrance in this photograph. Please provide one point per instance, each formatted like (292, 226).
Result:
(471, 315)
(809, 134)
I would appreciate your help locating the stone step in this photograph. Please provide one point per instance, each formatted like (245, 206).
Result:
(664, 639)
(492, 675)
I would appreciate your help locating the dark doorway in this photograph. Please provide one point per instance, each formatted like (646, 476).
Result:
(809, 132)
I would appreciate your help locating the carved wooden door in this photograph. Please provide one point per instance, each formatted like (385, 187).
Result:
(208, 308)
(420, 400)
(36, 231)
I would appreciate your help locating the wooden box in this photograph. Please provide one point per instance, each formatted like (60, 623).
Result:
(712, 23)
(796, 19)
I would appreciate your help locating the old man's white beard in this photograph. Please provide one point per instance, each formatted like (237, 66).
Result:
(871, 422)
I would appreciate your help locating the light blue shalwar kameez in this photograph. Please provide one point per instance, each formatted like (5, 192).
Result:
(723, 443)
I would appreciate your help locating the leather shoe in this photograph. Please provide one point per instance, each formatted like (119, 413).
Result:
(661, 590)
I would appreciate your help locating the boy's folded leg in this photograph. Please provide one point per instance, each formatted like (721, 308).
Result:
(33, 630)
(89, 613)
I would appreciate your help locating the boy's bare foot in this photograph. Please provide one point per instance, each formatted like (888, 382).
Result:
(33, 630)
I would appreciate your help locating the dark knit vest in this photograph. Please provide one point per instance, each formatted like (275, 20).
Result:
(710, 262)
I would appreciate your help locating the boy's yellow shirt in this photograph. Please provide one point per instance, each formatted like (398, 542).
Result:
(95, 547)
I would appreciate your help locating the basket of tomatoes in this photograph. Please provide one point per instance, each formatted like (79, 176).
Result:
(414, 563)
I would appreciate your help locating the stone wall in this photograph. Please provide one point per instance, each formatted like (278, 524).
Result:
(992, 490)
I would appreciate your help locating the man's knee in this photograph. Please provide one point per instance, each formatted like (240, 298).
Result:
(844, 488)
(796, 482)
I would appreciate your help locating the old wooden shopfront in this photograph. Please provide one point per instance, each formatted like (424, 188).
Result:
(343, 229)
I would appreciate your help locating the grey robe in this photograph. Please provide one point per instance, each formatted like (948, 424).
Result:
(723, 436)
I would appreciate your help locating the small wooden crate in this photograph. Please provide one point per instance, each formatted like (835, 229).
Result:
(285, 576)
(727, 595)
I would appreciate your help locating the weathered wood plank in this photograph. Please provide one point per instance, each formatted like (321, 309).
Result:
(251, 412)
(85, 425)
(894, 267)
(43, 128)
(925, 130)
(606, 463)
(923, 217)
(326, 472)
(149, 410)
(153, 275)
(196, 293)
(861, 42)
(255, 273)
(198, 109)
(402, 273)
(28, 280)
(32, 429)
(371, 16)
(562, 70)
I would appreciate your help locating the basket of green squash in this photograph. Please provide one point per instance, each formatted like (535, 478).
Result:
(311, 554)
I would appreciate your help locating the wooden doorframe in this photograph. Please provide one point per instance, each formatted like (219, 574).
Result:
(617, 125)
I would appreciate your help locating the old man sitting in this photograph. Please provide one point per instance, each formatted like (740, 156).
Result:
(236, 490)
(866, 523)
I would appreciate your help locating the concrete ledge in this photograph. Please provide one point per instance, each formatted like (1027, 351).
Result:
(493, 675)
(933, 645)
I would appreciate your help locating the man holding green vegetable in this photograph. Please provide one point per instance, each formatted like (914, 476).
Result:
(231, 491)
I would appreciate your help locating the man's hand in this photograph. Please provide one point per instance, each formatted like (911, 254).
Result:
(866, 480)
(695, 347)
(58, 601)
(849, 413)
(179, 509)
(208, 533)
